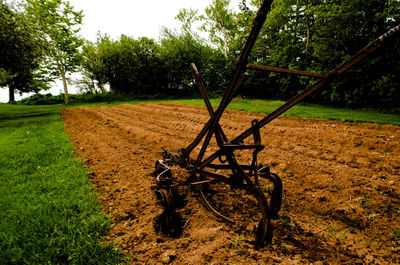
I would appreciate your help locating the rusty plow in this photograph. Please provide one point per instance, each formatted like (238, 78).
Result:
(204, 171)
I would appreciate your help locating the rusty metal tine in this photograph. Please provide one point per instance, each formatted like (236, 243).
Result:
(201, 182)
(209, 206)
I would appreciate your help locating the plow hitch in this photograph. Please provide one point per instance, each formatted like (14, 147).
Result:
(203, 172)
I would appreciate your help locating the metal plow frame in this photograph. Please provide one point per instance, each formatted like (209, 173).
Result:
(246, 177)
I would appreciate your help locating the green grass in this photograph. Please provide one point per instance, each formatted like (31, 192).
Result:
(306, 110)
(251, 105)
(48, 212)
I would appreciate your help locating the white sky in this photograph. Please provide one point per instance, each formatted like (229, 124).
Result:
(135, 18)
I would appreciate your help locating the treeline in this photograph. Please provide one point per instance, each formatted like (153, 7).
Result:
(299, 34)
(310, 35)
(144, 67)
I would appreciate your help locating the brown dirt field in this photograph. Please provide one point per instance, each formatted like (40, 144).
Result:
(341, 202)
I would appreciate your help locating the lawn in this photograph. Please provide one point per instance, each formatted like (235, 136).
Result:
(48, 212)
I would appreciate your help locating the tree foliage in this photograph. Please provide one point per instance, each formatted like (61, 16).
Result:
(144, 67)
(310, 35)
(130, 66)
(58, 25)
(317, 35)
(219, 22)
(20, 53)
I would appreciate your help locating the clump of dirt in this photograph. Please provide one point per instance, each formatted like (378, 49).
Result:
(341, 199)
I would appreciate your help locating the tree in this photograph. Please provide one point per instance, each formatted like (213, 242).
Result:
(340, 29)
(58, 24)
(130, 66)
(219, 23)
(317, 35)
(20, 53)
(187, 17)
(93, 64)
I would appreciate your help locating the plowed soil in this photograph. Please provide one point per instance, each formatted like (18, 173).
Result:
(341, 201)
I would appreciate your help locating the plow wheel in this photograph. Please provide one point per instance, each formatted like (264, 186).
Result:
(169, 222)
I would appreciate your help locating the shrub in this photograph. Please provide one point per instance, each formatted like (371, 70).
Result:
(40, 99)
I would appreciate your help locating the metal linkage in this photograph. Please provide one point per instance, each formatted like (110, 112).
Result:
(246, 177)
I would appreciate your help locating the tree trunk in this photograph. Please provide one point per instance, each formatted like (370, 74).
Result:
(11, 94)
(226, 47)
(308, 28)
(102, 89)
(64, 79)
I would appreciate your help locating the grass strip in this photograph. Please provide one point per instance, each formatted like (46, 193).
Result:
(48, 212)
(305, 110)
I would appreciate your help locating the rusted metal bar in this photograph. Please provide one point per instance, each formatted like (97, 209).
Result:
(284, 70)
(258, 22)
(215, 122)
(281, 109)
(237, 77)
(220, 135)
(202, 89)
(210, 207)
(198, 138)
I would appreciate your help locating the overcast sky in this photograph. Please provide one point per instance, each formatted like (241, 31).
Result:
(130, 17)
(133, 18)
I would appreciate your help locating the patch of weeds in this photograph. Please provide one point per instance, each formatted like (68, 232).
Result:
(285, 221)
(322, 212)
(267, 190)
(343, 234)
(132, 257)
(332, 231)
(237, 241)
(366, 202)
(396, 233)
(241, 252)
(285, 248)
(371, 218)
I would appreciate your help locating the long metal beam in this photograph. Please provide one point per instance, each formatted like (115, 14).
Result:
(284, 70)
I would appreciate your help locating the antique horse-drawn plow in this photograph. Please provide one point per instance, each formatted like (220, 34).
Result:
(203, 171)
